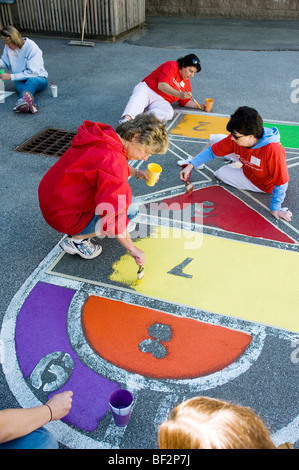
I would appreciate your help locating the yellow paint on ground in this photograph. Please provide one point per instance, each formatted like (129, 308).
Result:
(252, 282)
(200, 126)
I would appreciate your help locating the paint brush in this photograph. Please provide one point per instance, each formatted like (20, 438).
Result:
(196, 103)
(140, 273)
(193, 99)
(189, 187)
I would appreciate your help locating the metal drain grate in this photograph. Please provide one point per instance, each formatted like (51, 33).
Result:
(50, 142)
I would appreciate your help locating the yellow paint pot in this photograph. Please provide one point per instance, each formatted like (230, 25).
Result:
(153, 172)
(209, 104)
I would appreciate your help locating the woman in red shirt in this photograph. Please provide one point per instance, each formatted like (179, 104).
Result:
(86, 193)
(168, 83)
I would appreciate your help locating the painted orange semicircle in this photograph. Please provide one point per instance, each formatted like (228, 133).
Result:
(115, 330)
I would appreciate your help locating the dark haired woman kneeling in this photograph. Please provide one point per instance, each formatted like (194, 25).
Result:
(168, 83)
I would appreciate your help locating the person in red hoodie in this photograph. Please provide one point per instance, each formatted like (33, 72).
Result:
(87, 193)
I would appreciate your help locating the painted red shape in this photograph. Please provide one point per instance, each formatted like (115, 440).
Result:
(115, 330)
(229, 213)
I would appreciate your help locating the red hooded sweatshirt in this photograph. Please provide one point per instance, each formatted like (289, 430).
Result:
(92, 175)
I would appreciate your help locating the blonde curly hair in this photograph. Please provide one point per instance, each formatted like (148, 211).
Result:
(150, 131)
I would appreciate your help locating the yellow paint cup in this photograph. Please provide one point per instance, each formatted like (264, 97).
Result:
(209, 104)
(153, 172)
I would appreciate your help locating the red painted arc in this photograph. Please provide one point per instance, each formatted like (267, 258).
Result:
(228, 213)
(115, 330)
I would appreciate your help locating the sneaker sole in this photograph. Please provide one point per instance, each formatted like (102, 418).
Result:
(30, 102)
(23, 108)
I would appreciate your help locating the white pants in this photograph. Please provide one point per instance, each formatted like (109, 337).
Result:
(233, 174)
(143, 98)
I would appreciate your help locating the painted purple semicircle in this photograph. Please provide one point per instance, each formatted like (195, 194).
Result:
(41, 329)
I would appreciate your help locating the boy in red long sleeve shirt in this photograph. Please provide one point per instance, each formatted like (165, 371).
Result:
(261, 159)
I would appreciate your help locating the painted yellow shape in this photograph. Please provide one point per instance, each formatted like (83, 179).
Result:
(252, 282)
(200, 126)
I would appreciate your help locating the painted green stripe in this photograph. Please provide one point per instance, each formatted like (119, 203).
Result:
(289, 135)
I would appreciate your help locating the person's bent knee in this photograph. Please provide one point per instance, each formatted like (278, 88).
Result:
(219, 174)
(165, 115)
(39, 439)
(133, 208)
(169, 115)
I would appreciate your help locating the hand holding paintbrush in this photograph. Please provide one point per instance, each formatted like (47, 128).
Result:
(185, 176)
(202, 107)
(140, 273)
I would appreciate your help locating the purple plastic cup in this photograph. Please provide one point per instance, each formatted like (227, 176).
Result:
(120, 402)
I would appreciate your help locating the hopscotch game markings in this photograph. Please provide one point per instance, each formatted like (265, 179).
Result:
(75, 314)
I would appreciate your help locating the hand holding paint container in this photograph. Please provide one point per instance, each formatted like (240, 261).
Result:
(153, 172)
(209, 104)
(121, 402)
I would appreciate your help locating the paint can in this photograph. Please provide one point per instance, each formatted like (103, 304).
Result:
(121, 402)
(54, 90)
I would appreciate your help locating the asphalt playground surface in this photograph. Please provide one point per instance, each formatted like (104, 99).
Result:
(253, 63)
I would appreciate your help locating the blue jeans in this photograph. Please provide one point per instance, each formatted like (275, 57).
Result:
(39, 439)
(32, 85)
(91, 226)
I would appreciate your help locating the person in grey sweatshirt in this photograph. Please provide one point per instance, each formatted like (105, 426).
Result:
(24, 59)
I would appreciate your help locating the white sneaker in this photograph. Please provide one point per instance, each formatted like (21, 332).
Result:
(189, 160)
(21, 106)
(84, 248)
(124, 119)
(184, 162)
(131, 226)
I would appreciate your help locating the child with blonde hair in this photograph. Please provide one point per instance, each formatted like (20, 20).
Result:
(208, 423)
